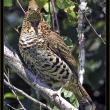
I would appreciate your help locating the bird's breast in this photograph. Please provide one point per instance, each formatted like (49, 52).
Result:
(29, 40)
(44, 60)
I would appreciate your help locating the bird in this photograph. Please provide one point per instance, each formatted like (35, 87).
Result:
(45, 53)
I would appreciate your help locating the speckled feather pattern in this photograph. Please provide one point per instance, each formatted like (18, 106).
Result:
(45, 51)
(40, 58)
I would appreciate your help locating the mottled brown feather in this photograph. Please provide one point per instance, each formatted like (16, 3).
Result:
(53, 43)
(58, 46)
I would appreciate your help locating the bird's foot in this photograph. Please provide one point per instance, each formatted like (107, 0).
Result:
(57, 94)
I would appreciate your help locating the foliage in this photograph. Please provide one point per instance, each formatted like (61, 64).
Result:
(69, 96)
(67, 16)
(10, 95)
(7, 3)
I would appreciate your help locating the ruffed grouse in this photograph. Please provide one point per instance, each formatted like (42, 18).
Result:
(45, 51)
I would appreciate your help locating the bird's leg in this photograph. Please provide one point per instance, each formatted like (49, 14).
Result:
(57, 93)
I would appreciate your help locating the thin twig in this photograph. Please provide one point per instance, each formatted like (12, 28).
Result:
(15, 93)
(51, 20)
(26, 95)
(20, 6)
(29, 77)
(98, 35)
(15, 29)
(55, 15)
(51, 16)
(12, 106)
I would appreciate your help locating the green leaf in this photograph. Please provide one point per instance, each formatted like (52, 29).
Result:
(7, 3)
(41, 3)
(55, 108)
(47, 19)
(11, 95)
(69, 96)
(68, 41)
(62, 4)
(46, 7)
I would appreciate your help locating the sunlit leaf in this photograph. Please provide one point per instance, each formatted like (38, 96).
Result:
(11, 95)
(62, 4)
(7, 3)
(55, 108)
(68, 95)
(41, 3)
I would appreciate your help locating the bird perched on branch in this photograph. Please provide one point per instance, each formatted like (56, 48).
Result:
(45, 51)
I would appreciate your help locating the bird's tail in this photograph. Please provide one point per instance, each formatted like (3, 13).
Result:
(82, 96)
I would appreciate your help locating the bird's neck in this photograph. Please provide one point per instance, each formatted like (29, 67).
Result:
(43, 28)
(27, 30)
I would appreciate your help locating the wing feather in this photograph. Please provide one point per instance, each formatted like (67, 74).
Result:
(58, 46)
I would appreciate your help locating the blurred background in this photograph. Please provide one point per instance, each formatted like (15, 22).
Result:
(94, 78)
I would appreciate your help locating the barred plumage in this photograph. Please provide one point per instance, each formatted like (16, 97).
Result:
(45, 51)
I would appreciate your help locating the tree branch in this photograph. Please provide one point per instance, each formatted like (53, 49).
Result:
(26, 95)
(55, 16)
(15, 93)
(98, 35)
(21, 6)
(81, 38)
(14, 62)
(12, 106)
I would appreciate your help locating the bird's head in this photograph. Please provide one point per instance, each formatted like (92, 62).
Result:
(34, 17)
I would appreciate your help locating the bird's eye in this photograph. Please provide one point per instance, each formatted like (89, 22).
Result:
(29, 9)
